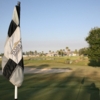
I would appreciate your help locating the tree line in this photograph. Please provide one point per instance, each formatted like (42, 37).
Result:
(92, 51)
(60, 52)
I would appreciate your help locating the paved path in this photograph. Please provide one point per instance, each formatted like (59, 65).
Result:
(44, 70)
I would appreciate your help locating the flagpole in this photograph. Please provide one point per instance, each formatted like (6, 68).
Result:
(16, 88)
(16, 93)
(13, 53)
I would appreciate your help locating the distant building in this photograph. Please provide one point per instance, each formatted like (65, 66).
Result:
(25, 55)
(72, 53)
(51, 54)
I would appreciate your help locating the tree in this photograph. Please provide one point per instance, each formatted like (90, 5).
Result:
(30, 52)
(83, 51)
(76, 51)
(1, 54)
(49, 51)
(67, 48)
(23, 53)
(58, 52)
(27, 53)
(52, 51)
(42, 52)
(61, 52)
(35, 52)
(64, 52)
(94, 45)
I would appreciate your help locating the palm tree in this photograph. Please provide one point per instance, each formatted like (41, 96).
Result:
(35, 52)
(42, 53)
(57, 52)
(76, 51)
(31, 52)
(63, 51)
(67, 48)
(27, 53)
(23, 53)
(68, 52)
(49, 51)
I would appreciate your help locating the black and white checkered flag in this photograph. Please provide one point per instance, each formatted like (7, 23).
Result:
(12, 61)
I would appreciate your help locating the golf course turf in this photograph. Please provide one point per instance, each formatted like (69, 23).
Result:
(80, 84)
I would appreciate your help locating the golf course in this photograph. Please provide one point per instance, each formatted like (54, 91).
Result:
(50, 50)
(82, 82)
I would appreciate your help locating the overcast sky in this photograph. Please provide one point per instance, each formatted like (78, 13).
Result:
(51, 24)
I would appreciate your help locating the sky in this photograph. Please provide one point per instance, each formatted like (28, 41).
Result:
(51, 24)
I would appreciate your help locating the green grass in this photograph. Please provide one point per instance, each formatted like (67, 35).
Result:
(82, 83)
(55, 62)
(76, 85)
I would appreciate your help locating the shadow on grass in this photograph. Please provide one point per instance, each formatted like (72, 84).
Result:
(45, 66)
(40, 66)
(53, 87)
(94, 92)
(63, 86)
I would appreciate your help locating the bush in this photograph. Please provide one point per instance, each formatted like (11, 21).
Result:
(0, 65)
(94, 63)
(68, 61)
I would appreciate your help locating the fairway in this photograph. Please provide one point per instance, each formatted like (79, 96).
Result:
(80, 84)
(50, 50)
(55, 62)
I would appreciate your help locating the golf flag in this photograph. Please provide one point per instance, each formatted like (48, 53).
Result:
(12, 61)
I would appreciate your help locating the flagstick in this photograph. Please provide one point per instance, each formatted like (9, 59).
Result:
(16, 92)
(16, 88)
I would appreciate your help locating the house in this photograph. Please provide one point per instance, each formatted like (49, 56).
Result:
(25, 56)
(72, 53)
(51, 54)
